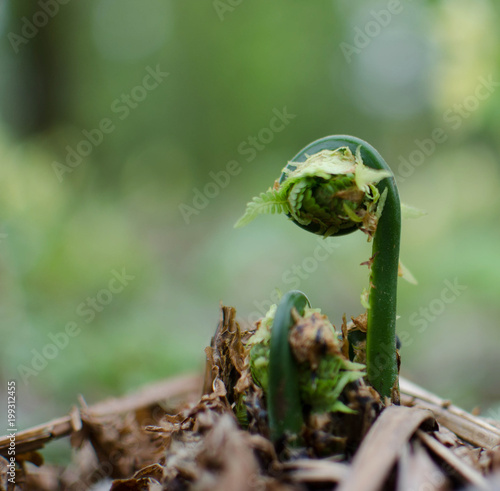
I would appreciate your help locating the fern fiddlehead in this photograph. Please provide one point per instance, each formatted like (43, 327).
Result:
(378, 215)
(335, 186)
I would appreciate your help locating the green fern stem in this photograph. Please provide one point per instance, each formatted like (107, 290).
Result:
(283, 395)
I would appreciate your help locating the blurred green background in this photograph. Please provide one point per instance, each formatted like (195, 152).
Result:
(152, 195)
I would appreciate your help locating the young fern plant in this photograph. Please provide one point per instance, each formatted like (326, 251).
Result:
(335, 186)
(296, 357)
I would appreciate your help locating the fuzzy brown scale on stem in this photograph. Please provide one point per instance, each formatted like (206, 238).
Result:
(312, 338)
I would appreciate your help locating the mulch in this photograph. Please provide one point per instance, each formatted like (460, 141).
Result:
(182, 433)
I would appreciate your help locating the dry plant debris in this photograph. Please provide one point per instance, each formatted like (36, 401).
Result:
(187, 433)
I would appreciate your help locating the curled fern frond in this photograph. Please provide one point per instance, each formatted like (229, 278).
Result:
(331, 193)
(335, 186)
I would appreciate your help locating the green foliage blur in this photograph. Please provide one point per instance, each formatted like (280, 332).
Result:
(108, 164)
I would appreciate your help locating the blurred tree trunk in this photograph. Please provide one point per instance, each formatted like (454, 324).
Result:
(30, 100)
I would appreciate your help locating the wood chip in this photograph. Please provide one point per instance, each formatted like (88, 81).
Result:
(473, 429)
(308, 470)
(149, 395)
(467, 472)
(418, 471)
(381, 447)
(75, 419)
